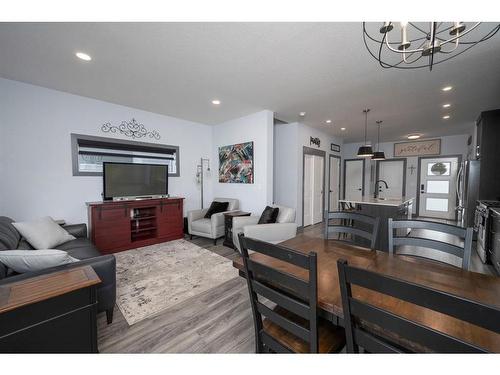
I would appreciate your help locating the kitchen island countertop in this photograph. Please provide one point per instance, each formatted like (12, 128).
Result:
(396, 202)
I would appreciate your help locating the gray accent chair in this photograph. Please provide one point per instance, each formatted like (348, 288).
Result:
(212, 228)
(284, 228)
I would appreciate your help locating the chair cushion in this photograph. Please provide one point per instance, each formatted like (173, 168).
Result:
(81, 248)
(43, 233)
(202, 226)
(269, 215)
(286, 215)
(331, 338)
(9, 236)
(216, 207)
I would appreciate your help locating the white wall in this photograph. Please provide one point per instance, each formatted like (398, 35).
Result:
(257, 127)
(290, 140)
(450, 145)
(35, 154)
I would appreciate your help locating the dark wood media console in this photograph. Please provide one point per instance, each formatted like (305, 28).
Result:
(122, 225)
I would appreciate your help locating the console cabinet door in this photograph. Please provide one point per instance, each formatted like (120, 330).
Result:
(170, 221)
(111, 228)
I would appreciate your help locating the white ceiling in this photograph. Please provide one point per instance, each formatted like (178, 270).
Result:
(320, 68)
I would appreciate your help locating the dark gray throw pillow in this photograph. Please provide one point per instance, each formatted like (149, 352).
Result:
(216, 207)
(269, 215)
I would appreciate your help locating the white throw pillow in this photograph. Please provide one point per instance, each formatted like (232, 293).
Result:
(43, 233)
(23, 261)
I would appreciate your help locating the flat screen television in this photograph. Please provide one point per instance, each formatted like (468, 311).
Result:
(132, 181)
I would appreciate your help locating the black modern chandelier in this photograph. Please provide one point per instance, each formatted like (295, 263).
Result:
(423, 44)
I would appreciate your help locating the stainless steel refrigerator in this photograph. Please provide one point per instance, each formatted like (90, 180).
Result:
(468, 191)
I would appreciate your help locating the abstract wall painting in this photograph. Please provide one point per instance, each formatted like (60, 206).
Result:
(236, 163)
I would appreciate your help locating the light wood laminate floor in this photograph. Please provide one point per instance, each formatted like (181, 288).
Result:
(217, 321)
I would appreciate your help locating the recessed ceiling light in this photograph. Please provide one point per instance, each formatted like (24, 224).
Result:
(328, 121)
(342, 129)
(83, 56)
(446, 117)
(302, 114)
(414, 136)
(216, 102)
(447, 88)
(447, 105)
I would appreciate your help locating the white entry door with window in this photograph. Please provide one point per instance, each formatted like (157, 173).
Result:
(438, 187)
(353, 179)
(334, 180)
(313, 189)
(393, 173)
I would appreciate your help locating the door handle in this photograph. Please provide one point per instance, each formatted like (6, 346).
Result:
(422, 188)
(360, 189)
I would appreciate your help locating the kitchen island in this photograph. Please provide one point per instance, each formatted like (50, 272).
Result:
(383, 208)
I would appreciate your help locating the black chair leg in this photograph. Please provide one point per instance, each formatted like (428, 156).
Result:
(109, 315)
(215, 241)
(190, 236)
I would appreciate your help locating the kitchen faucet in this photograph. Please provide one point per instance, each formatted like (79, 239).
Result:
(375, 193)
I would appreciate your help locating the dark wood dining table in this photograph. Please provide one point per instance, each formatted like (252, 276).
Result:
(475, 286)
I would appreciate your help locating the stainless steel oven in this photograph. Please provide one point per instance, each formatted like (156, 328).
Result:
(482, 226)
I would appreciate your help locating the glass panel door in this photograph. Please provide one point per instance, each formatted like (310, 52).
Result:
(437, 190)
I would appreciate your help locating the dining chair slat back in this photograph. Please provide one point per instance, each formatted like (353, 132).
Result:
(460, 233)
(287, 291)
(374, 329)
(347, 225)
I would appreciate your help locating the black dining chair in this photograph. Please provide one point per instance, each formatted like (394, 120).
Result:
(407, 244)
(375, 330)
(292, 325)
(368, 228)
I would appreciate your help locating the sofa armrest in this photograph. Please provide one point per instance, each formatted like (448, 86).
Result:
(218, 218)
(196, 214)
(240, 221)
(77, 230)
(271, 232)
(104, 266)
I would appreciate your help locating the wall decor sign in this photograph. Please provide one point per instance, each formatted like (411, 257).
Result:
(236, 163)
(315, 141)
(334, 147)
(417, 148)
(130, 129)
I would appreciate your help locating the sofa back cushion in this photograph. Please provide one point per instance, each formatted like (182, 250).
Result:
(9, 236)
(285, 215)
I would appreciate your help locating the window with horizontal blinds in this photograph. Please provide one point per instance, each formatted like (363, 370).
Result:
(89, 152)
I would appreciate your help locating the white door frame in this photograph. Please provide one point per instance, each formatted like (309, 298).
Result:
(316, 152)
(363, 174)
(420, 158)
(329, 174)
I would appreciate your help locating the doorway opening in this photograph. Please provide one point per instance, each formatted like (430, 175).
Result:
(393, 172)
(333, 182)
(313, 184)
(354, 179)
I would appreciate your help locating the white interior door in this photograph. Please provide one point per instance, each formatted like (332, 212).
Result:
(318, 189)
(334, 178)
(354, 179)
(308, 189)
(437, 190)
(392, 172)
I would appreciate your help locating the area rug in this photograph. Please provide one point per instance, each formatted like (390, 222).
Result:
(154, 278)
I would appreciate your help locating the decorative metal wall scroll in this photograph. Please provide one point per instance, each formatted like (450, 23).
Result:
(315, 141)
(130, 129)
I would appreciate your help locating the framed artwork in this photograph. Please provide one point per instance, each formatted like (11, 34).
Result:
(334, 147)
(417, 148)
(236, 163)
